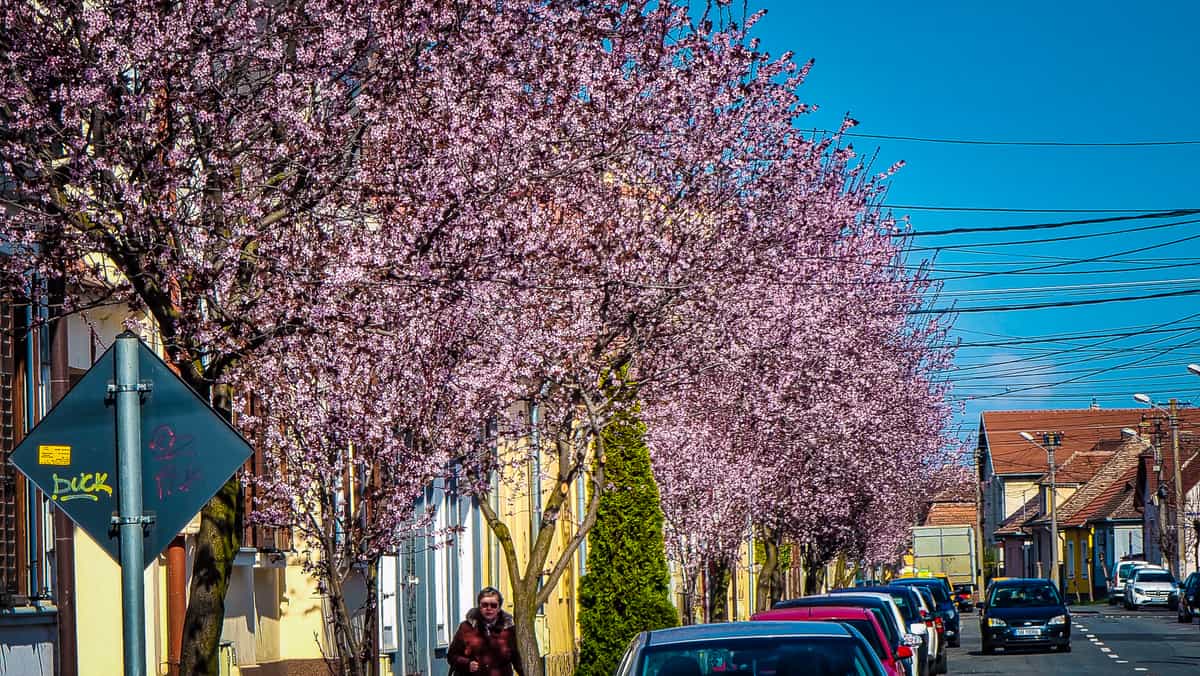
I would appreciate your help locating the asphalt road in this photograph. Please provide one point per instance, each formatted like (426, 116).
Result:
(1103, 641)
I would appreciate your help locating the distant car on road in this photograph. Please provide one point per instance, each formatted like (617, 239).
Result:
(1149, 586)
(1025, 612)
(780, 648)
(964, 595)
(1189, 598)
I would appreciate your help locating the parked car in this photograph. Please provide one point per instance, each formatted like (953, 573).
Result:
(780, 648)
(937, 625)
(861, 619)
(908, 600)
(1149, 586)
(1025, 612)
(1120, 575)
(964, 595)
(945, 603)
(885, 609)
(1189, 598)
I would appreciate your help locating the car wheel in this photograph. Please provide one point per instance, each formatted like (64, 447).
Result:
(1182, 615)
(989, 649)
(941, 665)
(1128, 605)
(1064, 648)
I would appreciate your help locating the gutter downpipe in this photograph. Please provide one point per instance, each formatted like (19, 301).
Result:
(64, 528)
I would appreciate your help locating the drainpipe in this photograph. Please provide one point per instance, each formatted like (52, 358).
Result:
(176, 602)
(64, 529)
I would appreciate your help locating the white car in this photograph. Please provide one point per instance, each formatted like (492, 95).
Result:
(1149, 585)
(1120, 576)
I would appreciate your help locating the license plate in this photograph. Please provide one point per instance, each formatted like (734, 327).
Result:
(1027, 631)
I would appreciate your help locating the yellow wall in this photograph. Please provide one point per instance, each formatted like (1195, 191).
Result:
(98, 611)
(1017, 493)
(1080, 550)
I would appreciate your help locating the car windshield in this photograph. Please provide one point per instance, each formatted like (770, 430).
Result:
(1124, 569)
(1022, 596)
(773, 656)
(906, 609)
(867, 629)
(1153, 576)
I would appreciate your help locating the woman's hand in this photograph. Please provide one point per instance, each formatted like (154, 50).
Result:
(473, 666)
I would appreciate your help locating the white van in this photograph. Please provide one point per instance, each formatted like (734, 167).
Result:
(1121, 575)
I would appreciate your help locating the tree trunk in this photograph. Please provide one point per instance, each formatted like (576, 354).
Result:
(524, 619)
(768, 588)
(718, 591)
(216, 545)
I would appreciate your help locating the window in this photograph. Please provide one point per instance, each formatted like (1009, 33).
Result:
(1070, 559)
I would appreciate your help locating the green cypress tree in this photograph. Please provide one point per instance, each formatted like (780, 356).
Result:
(625, 589)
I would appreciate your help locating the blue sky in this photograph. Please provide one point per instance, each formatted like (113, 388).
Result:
(1074, 72)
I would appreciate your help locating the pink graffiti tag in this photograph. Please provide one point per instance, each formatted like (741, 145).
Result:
(174, 455)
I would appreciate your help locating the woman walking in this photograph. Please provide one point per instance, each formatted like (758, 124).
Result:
(486, 642)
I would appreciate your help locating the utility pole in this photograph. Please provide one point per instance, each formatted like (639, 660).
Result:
(1177, 559)
(1051, 440)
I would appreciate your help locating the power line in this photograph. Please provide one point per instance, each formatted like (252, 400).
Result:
(1137, 216)
(1033, 144)
(1044, 306)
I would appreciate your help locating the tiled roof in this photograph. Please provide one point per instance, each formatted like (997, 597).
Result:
(1095, 494)
(964, 492)
(1081, 467)
(1082, 429)
(951, 514)
(1125, 509)
(1108, 503)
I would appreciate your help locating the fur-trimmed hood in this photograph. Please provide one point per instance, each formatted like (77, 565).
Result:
(503, 620)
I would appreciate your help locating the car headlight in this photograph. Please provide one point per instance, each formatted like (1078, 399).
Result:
(1057, 620)
(1138, 590)
(996, 622)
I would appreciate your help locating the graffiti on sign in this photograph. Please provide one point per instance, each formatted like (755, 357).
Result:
(86, 486)
(175, 458)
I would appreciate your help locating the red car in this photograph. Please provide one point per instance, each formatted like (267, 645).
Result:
(860, 618)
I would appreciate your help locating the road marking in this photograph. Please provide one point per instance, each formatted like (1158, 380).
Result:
(1106, 650)
(1113, 656)
(1122, 661)
(1140, 669)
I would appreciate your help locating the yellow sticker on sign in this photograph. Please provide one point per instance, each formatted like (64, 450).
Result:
(54, 455)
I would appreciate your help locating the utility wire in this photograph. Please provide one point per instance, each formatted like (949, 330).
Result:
(1139, 216)
(1032, 144)
(1044, 306)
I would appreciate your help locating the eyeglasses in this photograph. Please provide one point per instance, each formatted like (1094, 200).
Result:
(488, 604)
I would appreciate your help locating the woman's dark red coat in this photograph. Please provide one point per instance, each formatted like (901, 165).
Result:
(494, 646)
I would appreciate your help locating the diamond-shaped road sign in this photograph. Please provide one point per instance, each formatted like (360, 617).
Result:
(188, 452)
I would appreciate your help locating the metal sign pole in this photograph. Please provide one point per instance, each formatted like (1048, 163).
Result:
(130, 521)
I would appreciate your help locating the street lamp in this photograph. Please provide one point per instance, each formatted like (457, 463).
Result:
(1173, 419)
(1051, 441)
